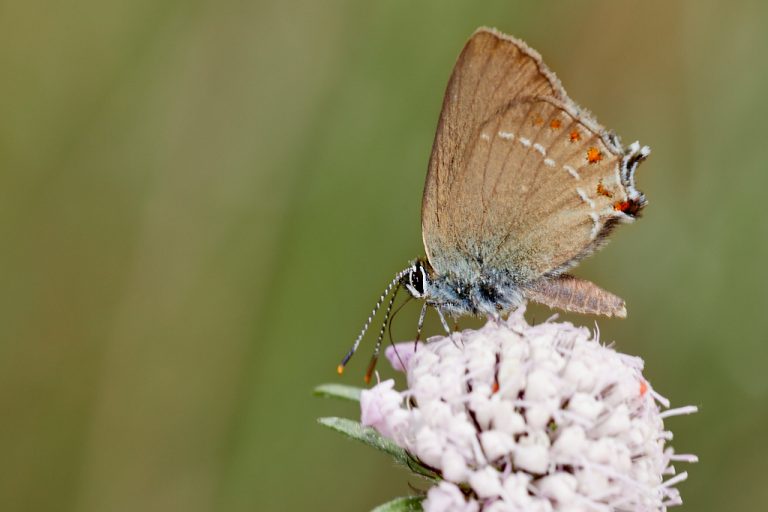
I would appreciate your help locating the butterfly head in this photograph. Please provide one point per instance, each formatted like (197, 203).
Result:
(418, 281)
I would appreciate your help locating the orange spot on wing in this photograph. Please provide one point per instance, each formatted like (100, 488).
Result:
(629, 207)
(495, 387)
(643, 388)
(594, 155)
(555, 124)
(602, 190)
(538, 120)
(574, 136)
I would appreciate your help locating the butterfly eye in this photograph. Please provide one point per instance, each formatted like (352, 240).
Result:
(417, 279)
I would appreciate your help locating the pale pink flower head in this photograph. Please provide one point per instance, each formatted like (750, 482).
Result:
(379, 405)
(530, 418)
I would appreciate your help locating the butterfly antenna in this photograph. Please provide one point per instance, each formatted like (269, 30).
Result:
(351, 352)
(391, 319)
(377, 347)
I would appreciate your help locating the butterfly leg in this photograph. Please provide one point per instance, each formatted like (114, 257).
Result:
(442, 320)
(420, 325)
(445, 326)
(495, 318)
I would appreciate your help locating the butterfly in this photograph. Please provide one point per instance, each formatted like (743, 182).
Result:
(522, 184)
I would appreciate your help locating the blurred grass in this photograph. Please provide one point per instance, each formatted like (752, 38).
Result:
(199, 203)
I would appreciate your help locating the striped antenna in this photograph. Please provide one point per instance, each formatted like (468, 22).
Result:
(377, 347)
(400, 275)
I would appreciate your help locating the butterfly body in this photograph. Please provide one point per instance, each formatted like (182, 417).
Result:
(522, 184)
(477, 291)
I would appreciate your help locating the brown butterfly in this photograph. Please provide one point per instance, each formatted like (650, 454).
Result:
(522, 184)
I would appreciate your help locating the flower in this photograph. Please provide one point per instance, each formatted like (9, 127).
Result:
(534, 418)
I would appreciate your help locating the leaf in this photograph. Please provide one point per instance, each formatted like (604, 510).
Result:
(341, 391)
(366, 435)
(372, 438)
(405, 504)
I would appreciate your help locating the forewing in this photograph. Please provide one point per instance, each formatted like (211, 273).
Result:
(492, 70)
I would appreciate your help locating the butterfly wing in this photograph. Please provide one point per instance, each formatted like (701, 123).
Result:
(542, 189)
(492, 70)
(520, 180)
(573, 294)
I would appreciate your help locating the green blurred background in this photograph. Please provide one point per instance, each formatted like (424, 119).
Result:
(200, 201)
